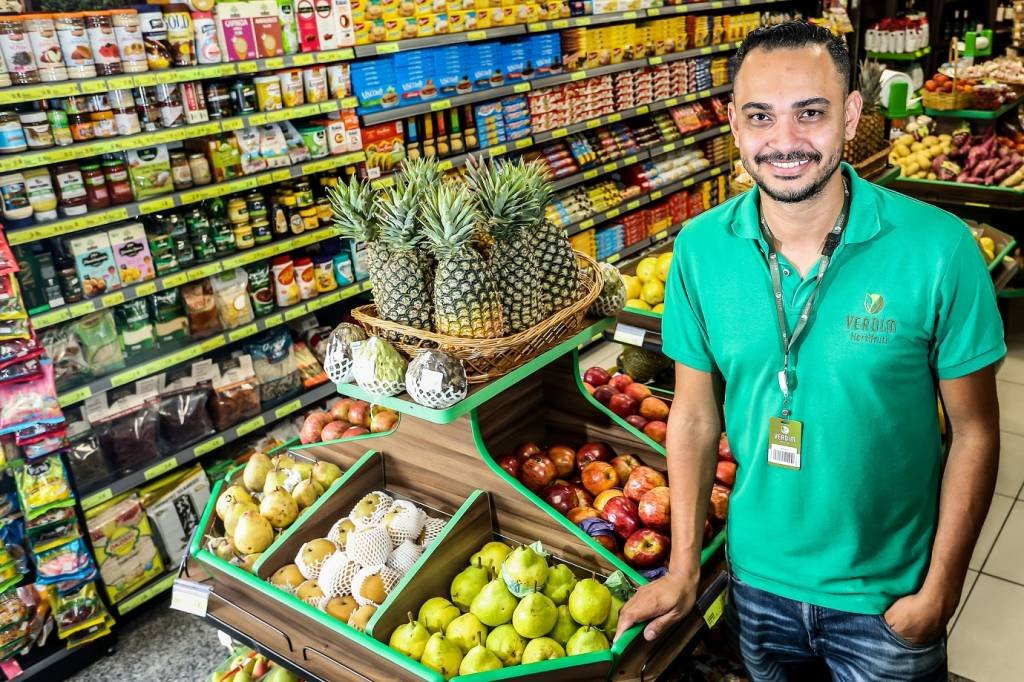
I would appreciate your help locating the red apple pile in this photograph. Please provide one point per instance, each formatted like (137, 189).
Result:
(630, 400)
(345, 419)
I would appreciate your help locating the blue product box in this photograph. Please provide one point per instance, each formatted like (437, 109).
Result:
(514, 56)
(373, 82)
(485, 60)
(545, 53)
(415, 75)
(452, 70)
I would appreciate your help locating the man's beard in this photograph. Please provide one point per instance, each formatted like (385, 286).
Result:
(795, 196)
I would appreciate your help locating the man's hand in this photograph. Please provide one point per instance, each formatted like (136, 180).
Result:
(917, 618)
(666, 600)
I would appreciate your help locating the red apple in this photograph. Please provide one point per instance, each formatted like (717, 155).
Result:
(656, 431)
(725, 473)
(607, 541)
(654, 508)
(561, 496)
(590, 389)
(511, 464)
(709, 530)
(359, 413)
(355, 431)
(621, 513)
(654, 409)
(527, 449)
(646, 548)
(642, 479)
(604, 394)
(593, 452)
(620, 381)
(622, 405)
(384, 420)
(724, 449)
(719, 502)
(603, 498)
(577, 514)
(536, 472)
(637, 422)
(596, 376)
(564, 458)
(637, 392)
(598, 477)
(624, 465)
(583, 498)
(339, 410)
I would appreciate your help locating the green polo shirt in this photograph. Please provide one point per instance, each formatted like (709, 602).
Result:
(906, 301)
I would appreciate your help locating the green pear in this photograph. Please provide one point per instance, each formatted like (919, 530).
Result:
(277, 477)
(506, 644)
(590, 602)
(256, 469)
(234, 513)
(467, 585)
(436, 613)
(279, 674)
(560, 582)
(410, 638)
(326, 473)
(282, 461)
(479, 659)
(253, 534)
(442, 655)
(542, 649)
(466, 631)
(526, 568)
(305, 493)
(534, 616)
(565, 626)
(279, 507)
(304, 468)
(612, 622)
(221, 548)
(490, 556)
(494, 604)
(585, 640)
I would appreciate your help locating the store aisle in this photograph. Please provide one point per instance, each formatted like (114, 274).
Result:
(984, 640)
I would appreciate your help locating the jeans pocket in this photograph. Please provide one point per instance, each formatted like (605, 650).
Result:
(899, 640)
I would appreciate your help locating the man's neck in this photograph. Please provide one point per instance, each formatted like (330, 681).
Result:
(803, 226)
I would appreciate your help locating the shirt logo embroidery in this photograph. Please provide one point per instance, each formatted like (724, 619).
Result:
(871, 328)
(873, 303)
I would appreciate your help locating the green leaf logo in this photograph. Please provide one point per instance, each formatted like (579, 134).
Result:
(873, 303)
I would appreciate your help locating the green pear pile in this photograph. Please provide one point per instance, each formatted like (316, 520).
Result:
(486, 626)
(269, 498)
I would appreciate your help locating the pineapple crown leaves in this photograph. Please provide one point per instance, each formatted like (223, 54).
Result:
(538, 180)
(422, 173)
(449, 219)
(869, 83)
(353, 205)
(397, 210)
(503, 198)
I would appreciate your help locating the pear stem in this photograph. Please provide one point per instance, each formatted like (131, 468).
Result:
(409, 614)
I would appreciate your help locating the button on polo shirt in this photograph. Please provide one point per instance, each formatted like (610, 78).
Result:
(907, 300)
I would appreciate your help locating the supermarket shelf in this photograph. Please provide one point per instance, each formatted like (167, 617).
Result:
(615, 17)
(704, 6)
(976, 114)
(900, 56)
(629, 113)
(192, 453)
(695, 52)
(151, 591)
(88, 86)
(65, 226)
(643, 200)
(55, 661)
(444, 104)
(440, 40)
(120, 144)
(197, 348)
(176, 279)
(961, 194)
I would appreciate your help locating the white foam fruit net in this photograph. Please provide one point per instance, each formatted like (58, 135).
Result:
(405, 520)
(431, 529)
(311, 569)
(336, 575)
(365, 521)
(335, 533)
(369, 546)
(404, 556)
(338, 360)
(389, 577)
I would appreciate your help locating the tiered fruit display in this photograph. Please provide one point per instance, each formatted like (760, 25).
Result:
(272, 492)
(510, 607)
(350, 573)
(622, 503)
(472, 259)
(629, 399)
(646, 289)
(344, 419)
(984, 159)
(915, 155)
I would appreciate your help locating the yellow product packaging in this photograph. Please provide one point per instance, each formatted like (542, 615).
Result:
(123, 542)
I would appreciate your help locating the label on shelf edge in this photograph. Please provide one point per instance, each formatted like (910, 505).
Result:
(242, 332)
(521, 87)
(288, 408)
(247, 67)
(590, 174)
(110, 300)
(614, 258)
(97, 498)
(207, 446)
(145, 289)
(190, 597)
(594, 123)
(560, 23)
(147, 594)
(273, 63)
(587, 224)
(161, 468)
(127, 376)
(51, 317)
(577, 75)
(559, 132)
(717, 607)
(654, 61)
(250, 426)
(388, 48)
(303, 59)
(524, 142)
(476, 35)
(154, 205)
(661, 235)
(628, 334)
(497, 150)
(273, 320)
(292, 313)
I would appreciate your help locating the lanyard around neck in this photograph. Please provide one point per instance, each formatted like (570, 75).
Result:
(789, 340)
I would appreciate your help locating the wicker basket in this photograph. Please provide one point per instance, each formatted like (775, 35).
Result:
(487, 359)
(948, 101)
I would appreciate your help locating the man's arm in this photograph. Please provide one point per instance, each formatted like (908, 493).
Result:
(967, 484)
(691, 445)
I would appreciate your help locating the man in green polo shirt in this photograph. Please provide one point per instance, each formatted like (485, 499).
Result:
(836, 312)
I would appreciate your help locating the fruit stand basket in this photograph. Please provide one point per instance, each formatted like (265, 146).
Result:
(443, 460)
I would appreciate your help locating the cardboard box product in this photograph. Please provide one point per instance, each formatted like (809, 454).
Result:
(266, 27)
(122, 540)
(131, 253)
(306, 25)
(384, 145)
(235, 31)
(346, 30)
(373, 82)
(450, 70)
(174, 508)
(95, 263)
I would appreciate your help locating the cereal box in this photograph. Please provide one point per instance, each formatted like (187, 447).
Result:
(95, 264)
(266, 28)
(235, 31)
(131, 253)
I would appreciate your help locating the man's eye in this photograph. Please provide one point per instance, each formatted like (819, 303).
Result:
(812, 113)
(759, 118)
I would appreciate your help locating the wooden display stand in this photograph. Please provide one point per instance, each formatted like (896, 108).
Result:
(445, 459)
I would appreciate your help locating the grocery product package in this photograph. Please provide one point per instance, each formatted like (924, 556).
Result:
(183, 418)
(123, 541)
(273, 358)
(201, 307)
(236, 393)
(127, 431)
(174, 508)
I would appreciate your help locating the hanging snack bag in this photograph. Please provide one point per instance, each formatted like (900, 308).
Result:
(183, 416)
(54, 528)
(86, 458)
(311, 371)
(64, 564)
(78, 610)
(42, 486)
(201, 308)
(29, 402)
(273, 358)
(232, 298)
(99, 341)
(236, 393)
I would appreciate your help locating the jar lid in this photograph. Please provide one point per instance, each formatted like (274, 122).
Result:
(303, 261)
(288, 199)
(97, 13)
(321, 260)
(124, 11)
(197, 155)
(89, 166)
(281, 260)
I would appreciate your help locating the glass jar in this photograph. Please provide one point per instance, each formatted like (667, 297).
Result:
(70, 285)
(324, 212)
(154, 34)
(256, 206)
(181, 174)
(96, 194)
(128, 31)
(39, 186)
(243, 236)
(218, 100)
(103, 124)
(201, 234)
(126, 118)
(243, 97)
(178, 230)
(12, 136)
(37, 129)
(17, 51)
(310, 219)
(147, 109)
(81, 127)
(261, 231)
(278, 216)
(103, 43)
(238, 211)
(67, 178)
(59, 126)
(42, 35)
(180, 34)
(168, 101)
(74, 44)
(200, 167)
(118, 183)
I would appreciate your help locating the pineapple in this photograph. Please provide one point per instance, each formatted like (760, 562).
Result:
(504, 200)
(423, 173)
(870, 137)
(405, 275)
(354, 207)
(466, 302)
(559, 268)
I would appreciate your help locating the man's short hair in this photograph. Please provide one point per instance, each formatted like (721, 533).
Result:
(793, 35)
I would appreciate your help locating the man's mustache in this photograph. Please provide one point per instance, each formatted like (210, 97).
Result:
(792, 157)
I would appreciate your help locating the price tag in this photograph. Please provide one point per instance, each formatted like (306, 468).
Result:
(146, 79)
(654, 61)
(671, 102)
(145, 289)
(288, 408)
(388, 48)
(654, 12)
(350, 103)
(717, 4)
(640, 111)
(614, 118)
(83, 308)
(251, 425)
(578, 75)
(204, 271)
(272, 321)
(560, 23)
(613, 213)
(161, 468)
(525, 142)
(497, 150)
(717, 607)
(248, 67)
(559, 132)
(128, 376)
(706, 50)
(50, 318)
(609, 167)
(273, 63)
(110, 300)
(629, 15)
(476, 35)
(120, 83)
(587, 224)
(242, 332)
(175, 280)
(629, 335)
(154, 205)
(211, 344)
(669, 147)
(583, 21)
(590, 174)
(230, 124)
(661, 235)
(445, 165)
(633, 205)
(441, 105)
(91, 86)
(521, 87)
(689, 182)
(303, 59)
(190, 597)
(284, 114)
(593, 123)
(614, 258)
(691, 97)
(292, 313)
(704, 93)
(208, 446)
(97, 498)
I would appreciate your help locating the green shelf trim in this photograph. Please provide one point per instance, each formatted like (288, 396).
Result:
(154, 590)
(1002, 191)
(1003, 253)
(900, 56)
(403, 404)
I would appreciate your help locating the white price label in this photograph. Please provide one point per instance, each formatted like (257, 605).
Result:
(431, 380)
(629, 335)
(190, 597)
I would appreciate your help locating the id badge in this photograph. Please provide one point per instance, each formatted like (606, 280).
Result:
(784, 442)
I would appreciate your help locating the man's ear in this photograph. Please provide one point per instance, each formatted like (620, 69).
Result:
(731, 109)
(854, 104)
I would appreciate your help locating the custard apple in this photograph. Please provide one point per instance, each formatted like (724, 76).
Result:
(436, 379)
(613, 295)
(378, 367)
(338, 358)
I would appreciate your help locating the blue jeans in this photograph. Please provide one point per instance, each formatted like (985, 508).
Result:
(781, 640)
